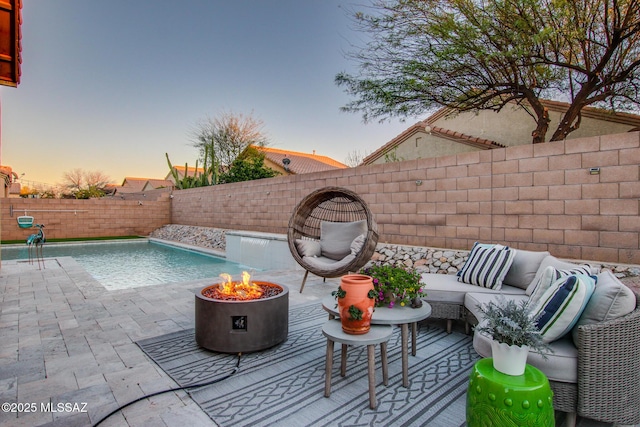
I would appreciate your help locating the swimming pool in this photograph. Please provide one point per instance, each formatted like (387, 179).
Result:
(131, 264)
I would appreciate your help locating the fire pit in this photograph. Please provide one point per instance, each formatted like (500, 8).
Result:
(241, 317)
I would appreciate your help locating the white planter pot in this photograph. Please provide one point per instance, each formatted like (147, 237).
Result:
(509, 359)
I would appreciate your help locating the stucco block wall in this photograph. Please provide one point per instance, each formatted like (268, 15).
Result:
(68, 218)
(536, 197)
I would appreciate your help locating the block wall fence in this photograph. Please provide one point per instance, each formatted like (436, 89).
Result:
(535, 197)
(70, 218)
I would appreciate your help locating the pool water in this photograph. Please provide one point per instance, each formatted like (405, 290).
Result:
(125, 265)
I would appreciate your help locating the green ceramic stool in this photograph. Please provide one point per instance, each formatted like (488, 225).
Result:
(497, 399)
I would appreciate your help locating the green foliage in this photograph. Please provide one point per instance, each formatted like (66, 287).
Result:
(199, 179)
(473, 55)
(223, 138)
(392, 156)
(247, 167)
(340, 293)
(89, 193)
(355, 313)
(511, 323)
(395, 285)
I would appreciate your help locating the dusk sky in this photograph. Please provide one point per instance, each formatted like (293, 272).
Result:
(112, 85)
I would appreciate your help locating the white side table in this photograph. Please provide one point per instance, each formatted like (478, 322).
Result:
(379, 334)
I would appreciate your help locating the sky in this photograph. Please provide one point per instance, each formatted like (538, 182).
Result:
(112, 86)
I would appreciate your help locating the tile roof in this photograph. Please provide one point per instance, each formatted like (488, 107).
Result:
(191, 170)
(132, 185)
(301, 162)
(157, 183)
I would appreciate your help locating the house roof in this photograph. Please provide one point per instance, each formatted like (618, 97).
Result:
(423, 126)
(157, 183)
(301, 162)
(428, 127)
(137, 185)
(131, 184)
(191, 170)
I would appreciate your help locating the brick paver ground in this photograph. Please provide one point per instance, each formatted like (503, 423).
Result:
(66, 340)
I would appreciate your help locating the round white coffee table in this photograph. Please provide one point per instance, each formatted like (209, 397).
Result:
(402, 316)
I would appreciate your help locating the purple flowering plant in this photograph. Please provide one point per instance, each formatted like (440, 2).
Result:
(395, 286)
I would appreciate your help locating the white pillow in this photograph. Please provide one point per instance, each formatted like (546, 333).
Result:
(357, 244)
(610, 300)
(559, 265)
(486, 266)
(524, 268)
(308, 247)
(336, 237)
(561, 305)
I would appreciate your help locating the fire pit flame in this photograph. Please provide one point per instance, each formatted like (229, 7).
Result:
(244, 290)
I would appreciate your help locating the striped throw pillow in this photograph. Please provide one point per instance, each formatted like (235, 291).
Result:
(561, 305)
(551, 275)
(487, 266)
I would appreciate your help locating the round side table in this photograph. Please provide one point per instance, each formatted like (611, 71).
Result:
(379, 334)
(497, 399)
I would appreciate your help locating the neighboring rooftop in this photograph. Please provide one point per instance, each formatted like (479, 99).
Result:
(298, 162)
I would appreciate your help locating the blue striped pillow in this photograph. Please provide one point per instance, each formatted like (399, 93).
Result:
(561, 305)
(551, 275)
(487, 266)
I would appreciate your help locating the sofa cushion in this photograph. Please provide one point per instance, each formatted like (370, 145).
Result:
(560, 306)
(324, 263)
(610, 300)
(559, 265)
(472, 300)
(336, 237)
(486, 266)
(308, 247)
(357, 244)
(524, 268)
(560, 365)
(446, 288)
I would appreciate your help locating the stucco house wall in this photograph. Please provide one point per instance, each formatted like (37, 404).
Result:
(442, 134)
(513, 126)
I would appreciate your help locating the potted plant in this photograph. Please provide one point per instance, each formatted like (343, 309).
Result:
(513, 330)
(355, 297)
(395, 285)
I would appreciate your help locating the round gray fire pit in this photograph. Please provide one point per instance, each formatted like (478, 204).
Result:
(242, 326)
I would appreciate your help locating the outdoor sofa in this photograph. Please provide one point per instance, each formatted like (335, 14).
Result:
(594, 368)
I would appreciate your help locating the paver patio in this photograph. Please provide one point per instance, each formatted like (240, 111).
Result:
(65, 339)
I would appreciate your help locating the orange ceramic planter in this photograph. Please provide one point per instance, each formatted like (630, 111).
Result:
(355, 307)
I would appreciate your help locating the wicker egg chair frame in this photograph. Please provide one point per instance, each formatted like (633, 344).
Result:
(333, 204)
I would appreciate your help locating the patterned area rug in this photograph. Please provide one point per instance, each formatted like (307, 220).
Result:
(284, 385)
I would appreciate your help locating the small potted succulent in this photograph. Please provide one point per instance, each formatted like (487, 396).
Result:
(395, 286)
(513, 330)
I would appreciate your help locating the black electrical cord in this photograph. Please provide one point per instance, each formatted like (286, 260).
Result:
(237, 367)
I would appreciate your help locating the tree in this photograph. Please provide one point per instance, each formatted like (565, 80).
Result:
(226, 137)
(249, 165)
(483, 55)
(355, 158)
(84, 184)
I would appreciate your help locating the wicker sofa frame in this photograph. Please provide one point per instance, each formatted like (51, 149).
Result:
(332, 204)
(608, 387)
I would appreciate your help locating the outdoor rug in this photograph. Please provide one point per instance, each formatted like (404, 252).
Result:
(284, 385)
